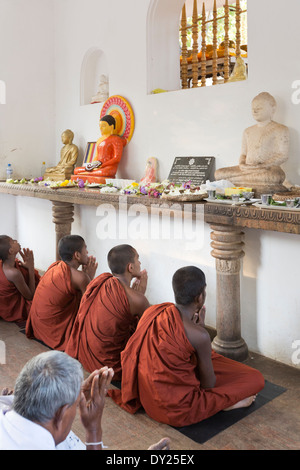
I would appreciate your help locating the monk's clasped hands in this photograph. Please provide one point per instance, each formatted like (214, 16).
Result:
(199, 316)
(91, 267)
(27, 257)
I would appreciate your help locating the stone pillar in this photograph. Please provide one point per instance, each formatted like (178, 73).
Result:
(62, 213)
(227, 247)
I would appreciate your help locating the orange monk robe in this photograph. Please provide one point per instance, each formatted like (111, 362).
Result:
(13, 306)
(54, 307)
(109, 152)
(159, 373)
(103, 325)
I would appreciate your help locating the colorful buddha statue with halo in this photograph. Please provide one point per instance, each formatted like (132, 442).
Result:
(116, 127)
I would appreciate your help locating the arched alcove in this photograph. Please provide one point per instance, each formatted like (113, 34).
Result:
(163, 67)
(94, 65)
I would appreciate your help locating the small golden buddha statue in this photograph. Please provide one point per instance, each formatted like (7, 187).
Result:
(68, 158)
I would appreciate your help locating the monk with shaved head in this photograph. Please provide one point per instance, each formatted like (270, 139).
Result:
(109, 312)
(169, 368)
(56, 301)
(18, 280)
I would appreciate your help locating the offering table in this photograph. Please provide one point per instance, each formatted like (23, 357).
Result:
(227, 242)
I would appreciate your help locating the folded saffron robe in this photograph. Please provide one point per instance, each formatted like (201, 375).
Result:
(159, 373)
(103, 325)
(13, 306)
(54, 307)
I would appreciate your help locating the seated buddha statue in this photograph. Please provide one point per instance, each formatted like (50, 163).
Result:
(108, 154)
(102, 93)
(264, 148)
(68, 158)
(150, 172)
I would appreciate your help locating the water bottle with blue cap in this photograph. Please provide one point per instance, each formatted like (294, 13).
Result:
(9, 171)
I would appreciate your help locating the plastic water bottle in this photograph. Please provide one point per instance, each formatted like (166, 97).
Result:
(9, 171)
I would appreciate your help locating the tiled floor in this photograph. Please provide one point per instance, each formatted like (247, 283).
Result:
(275, 426)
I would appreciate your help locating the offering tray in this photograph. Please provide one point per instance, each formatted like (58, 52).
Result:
(94, 185)
(278, 207)
(241, 201)
(184, 197)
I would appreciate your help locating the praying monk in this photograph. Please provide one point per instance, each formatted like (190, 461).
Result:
(169, 368)
(109, 311)
(18, 280)
(56, 301)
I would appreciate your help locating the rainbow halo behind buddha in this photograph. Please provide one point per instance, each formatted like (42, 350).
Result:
(116, 126)
(121, 111)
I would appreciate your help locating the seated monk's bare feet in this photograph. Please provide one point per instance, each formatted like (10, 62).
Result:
(242, 404)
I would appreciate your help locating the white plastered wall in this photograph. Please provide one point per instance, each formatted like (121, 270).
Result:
(27, 68)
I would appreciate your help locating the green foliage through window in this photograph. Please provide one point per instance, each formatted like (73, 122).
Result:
(220, 33)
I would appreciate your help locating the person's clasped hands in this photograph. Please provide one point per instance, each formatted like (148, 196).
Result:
(91, 405)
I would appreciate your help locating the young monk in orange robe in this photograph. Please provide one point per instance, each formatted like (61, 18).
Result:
(18, 280)
(109, 311)
(57, 298)
(168, 365)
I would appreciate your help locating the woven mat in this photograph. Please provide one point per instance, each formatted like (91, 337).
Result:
(210, 427)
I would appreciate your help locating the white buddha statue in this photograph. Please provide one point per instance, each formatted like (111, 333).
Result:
(103, 90)
(264, 148)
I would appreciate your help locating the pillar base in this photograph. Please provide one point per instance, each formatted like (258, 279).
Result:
(236, 350)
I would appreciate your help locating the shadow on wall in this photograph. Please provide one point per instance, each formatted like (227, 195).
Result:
(291, 167)
(8, 220)
(2, 92)
(249, 275)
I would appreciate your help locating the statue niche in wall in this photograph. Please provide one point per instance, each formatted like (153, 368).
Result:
(68, 158)
(265, 147)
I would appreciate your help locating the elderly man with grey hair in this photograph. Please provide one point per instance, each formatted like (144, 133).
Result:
(40, 413)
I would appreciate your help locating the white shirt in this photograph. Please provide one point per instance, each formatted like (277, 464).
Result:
(18, 433)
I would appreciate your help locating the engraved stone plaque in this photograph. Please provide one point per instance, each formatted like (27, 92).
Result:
(194, 169)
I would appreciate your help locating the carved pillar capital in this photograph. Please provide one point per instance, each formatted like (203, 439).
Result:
(62, 216)
(227, 242)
